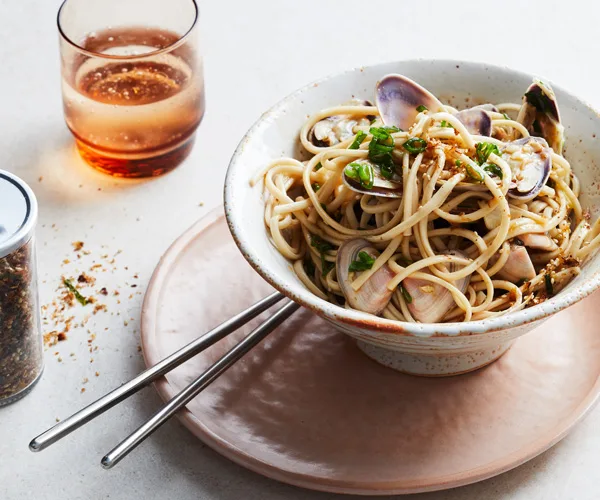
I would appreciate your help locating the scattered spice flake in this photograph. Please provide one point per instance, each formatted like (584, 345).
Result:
(97, 374)
(85, 380)
(77, 245)
(99, 307)
(80, 298)
(66, 261)
(83, 389)
(86, 278)
(103, 291)
(61, 336)
(40, 178)
(51, 339)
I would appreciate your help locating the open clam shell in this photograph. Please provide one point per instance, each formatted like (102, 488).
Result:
(337, 128)
(430, 301)
(397, 99)
(540, 115)
(530, 163)
(518, 266)
(476, 120)
(374, 295)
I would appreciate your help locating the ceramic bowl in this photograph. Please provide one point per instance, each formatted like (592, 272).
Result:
(422, 349)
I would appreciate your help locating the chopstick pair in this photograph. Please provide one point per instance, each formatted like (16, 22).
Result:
(114, 397)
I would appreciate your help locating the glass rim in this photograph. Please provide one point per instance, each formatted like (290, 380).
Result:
(152, 53)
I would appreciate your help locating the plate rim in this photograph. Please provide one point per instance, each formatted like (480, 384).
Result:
(230, 451)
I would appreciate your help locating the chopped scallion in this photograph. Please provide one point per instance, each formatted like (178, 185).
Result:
(493, 169)
(360, 137)
(362, 263)
(483, 151)
(407, 297)
(361, 172)
(473, 173)
(80, 298)
(415, 145)
(421, 108)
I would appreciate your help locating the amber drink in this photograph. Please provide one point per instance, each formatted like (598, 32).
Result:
(133, 95)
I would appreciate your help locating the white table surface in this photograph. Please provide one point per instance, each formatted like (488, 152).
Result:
(255, 53)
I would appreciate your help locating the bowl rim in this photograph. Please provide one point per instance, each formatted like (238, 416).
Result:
(362, 320)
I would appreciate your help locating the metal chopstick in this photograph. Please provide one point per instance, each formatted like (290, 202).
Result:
(114, 397)
(192, 390)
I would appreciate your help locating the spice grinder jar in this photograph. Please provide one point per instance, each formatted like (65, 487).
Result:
(21, 345)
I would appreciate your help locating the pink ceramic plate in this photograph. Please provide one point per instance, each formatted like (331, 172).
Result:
(308, 408)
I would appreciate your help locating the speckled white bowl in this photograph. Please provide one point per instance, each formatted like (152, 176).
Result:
(421, 349)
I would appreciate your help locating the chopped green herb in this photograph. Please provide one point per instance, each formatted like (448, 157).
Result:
(362, 263)
(506, 117)
(360, 137)
(549, 287)
(80, 298)
(380, 133)
(473, 173)
(421, 108)
(493, 169)
(380, 149)
(320, 244)
(415, 145)
(484, 150)
(361, 172)
(318, 166)
(316, 186)
(322, 247)
(445, 124)
(407, 297)
(458, 163)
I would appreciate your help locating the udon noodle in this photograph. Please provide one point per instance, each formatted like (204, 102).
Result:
(436, 222)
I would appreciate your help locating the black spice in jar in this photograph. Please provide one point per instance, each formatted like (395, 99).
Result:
(21, 353)
(20, 337)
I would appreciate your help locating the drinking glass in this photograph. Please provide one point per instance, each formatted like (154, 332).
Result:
(132, 82)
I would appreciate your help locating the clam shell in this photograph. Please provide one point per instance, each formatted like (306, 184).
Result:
(430, 302)
(374, 295)
(397, 99)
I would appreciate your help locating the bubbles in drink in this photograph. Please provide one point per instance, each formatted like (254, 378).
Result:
(135, 109)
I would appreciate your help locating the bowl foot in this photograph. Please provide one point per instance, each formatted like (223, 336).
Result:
(433, 365)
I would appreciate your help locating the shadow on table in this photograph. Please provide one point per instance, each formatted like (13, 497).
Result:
(51, 165)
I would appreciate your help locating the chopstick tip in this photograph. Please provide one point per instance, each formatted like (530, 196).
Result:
(35, 445)
(107, 462)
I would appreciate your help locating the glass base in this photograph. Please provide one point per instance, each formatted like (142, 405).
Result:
(19, 395)
(135, 167)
